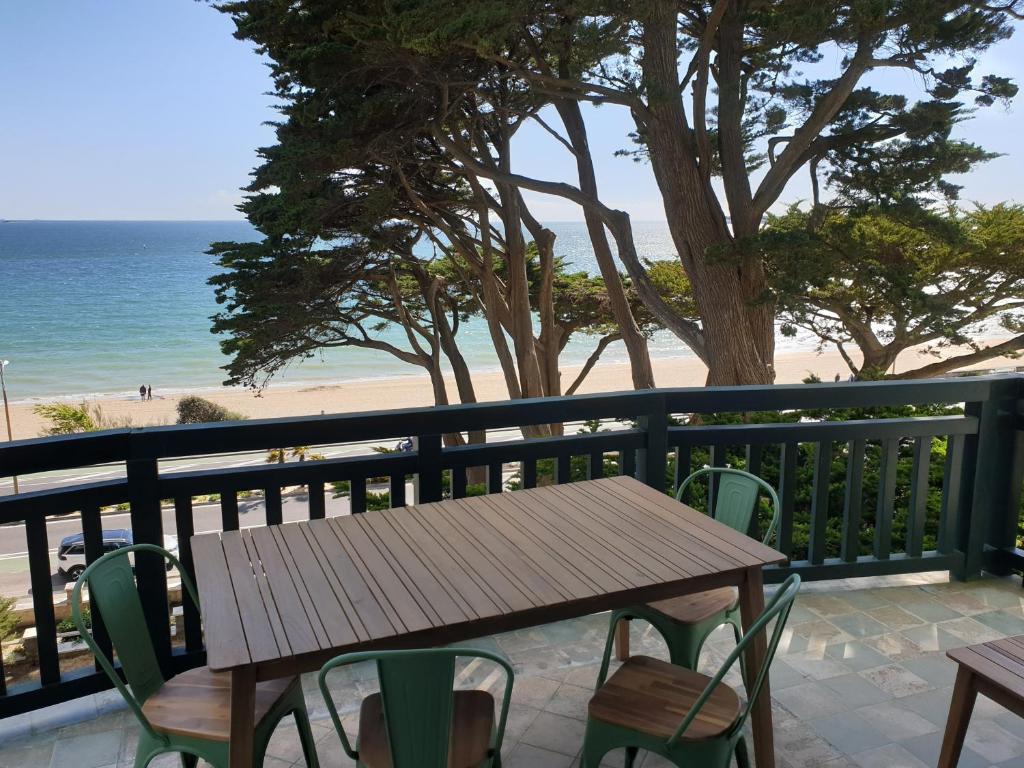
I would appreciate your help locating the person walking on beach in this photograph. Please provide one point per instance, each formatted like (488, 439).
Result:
(149, 392)
(142, 392)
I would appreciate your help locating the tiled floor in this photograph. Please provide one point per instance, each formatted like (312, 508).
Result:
(861, 680)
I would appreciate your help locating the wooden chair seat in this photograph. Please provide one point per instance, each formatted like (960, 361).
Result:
(695, 608)
(197, 703)
(653, 697)
(468, 742)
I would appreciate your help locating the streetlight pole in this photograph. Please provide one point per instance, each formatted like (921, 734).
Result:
(7, 412)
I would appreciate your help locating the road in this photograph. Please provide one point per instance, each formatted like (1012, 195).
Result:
(14, 576)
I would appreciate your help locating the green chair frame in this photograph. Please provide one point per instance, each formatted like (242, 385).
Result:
(735, 505)
(602, 737)
(112, 590)
(416, 688)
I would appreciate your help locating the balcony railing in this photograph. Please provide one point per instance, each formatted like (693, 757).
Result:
(944, 491)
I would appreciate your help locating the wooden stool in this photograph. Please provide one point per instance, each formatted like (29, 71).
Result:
(994, 669)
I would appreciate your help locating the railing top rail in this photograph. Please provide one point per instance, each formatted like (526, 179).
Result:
(54, 453)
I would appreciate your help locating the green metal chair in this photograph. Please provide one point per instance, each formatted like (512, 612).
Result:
(685, 622)
(639, 706)
(417, 720)
(189, 713)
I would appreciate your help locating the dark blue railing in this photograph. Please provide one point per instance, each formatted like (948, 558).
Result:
(825, 528)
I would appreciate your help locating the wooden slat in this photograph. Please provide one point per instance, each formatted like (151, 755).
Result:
(853, 501)
(317, 502)
(819, 503)
(220, 609)
(684, 457)
(918, 509)
(563, 468)
(886, 498)
(788, 455)
(42, 599)
(949, 514)
(301, 624)
(259, 634)
(396, 491)
(529, 472)
(357, 495)
(495, 478)
(272, 501)
(458, 475)
(229, 509)
(595, 465)
(92, 532)
(392, 589)
(627, 462)
(184, 526)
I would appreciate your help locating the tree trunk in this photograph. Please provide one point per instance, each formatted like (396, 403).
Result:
(634, 340)
(729, 289)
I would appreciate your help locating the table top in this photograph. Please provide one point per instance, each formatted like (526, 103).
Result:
(999, 661)
(296, 594)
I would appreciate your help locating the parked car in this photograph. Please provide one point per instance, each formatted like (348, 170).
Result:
(71, 554)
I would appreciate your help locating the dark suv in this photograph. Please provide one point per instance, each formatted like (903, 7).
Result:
(71, 555)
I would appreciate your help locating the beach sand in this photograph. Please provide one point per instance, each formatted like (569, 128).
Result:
(411, 391)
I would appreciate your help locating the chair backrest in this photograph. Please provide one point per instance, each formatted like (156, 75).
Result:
(736, 499)
(416, 688)
(778, 608)
(113, 593)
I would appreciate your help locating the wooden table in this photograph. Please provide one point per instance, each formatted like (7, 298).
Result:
(284, 599)
(994, 669)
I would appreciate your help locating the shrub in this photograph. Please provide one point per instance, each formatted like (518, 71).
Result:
(8, 621)
(199, 410)
(67, 625)
(66, 419)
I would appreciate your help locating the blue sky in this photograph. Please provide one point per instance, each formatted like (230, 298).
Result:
(146, 109)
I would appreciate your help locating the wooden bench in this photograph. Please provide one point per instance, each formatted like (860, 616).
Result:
(994, 669)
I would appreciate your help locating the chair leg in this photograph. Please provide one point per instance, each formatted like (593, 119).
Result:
(622, 640)
(960, 709)
(631, 753)
(189, 761)
(306, 738)
(742, 757)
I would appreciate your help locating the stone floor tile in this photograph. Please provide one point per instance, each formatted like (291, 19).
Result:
(528, 756)
(90, 750)
(859, 624)
(1004, 622)
(520, 717)
(813, 699)
(854, 691)
(926, 749)
(816, 665)
(888, 756)
(895, 646)
(820, 633)
(993, 742)
(937, 668)
(855, 655)
(896, 721)
(784, 676)
(932, 705)
(827, 605)
(896, 618)
(867, 600)
(533, 691)
(969, 631)
(556, 733)
(929, 609)
(26, 754)
(571, 701)
(848, 732)
(895, 680)
(931, 637)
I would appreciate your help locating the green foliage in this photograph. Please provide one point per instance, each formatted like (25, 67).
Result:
(887, 279)
(67, 419)
(198, 410)
(8, 620)
(298, 452)
(67, 625)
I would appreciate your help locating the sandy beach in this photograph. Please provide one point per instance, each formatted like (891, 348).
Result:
(411, 391)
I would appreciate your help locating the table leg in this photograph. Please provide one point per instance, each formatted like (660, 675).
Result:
(751, 607)
(960, 709)
(243, 717)
(622, 640)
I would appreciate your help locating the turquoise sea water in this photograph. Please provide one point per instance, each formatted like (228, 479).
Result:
(101, 307)
(91, 308)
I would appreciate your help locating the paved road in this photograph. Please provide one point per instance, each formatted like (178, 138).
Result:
(14, 577)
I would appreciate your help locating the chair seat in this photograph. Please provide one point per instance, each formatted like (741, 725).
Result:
(695, 608)
(197, 703)
(653, 697)
(468, 742)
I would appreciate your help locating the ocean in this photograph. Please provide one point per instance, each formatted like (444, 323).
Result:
(99, 308)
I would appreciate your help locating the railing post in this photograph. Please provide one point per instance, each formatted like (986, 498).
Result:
(428, 475)
(651, 464)
(150, 568)
(986, 521)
